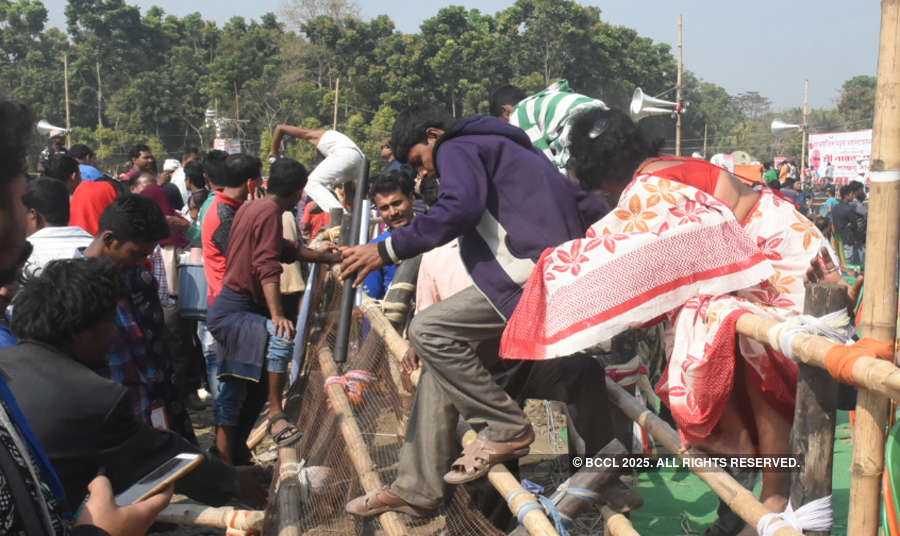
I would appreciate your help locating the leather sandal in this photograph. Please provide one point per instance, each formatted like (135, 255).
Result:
(481, 454)
(288, 435)
(384, 500)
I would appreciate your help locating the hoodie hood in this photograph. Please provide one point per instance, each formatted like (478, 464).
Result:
(484, 125)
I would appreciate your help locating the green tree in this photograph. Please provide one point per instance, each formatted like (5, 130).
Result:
(857, 102)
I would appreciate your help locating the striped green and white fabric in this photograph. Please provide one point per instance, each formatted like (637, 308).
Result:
(545, 118)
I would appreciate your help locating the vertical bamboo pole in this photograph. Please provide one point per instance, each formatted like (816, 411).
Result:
(337, 94)
(678, 91)
(66, 88)
(879, 311)
(705, 137)
(805, 128)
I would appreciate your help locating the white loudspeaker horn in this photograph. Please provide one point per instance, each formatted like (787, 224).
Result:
(45, 127)
(643, 106)
(779, 126)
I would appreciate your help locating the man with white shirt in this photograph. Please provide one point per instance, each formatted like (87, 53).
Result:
(47, 203)
(343, 161)
(178, 174)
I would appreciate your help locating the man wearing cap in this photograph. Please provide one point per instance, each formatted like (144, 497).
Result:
(57, 146)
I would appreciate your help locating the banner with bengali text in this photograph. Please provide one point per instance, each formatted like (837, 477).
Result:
(848, 153)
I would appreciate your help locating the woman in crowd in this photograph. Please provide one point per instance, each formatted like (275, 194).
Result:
(690, 244)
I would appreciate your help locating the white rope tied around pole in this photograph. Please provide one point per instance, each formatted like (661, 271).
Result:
(834, 326)
(289, 470)
(816, 515)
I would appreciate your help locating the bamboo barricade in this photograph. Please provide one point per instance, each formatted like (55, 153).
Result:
(505, 483)
(815, 410)
(617, 524)
(879, 312)
(249, 521)
(395, 344)
(870, 373)
(499, 476)
(609, 490)
(356, 446)
(739, 499)
(287, 492)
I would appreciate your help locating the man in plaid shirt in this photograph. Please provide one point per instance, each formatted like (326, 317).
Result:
(140, 357)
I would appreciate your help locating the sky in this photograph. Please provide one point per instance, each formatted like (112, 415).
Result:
(767, 46)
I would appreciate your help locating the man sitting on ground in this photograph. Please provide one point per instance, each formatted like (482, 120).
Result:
(67, 320)
(47, 202)
(507, 203)
(343, 161)
(247, 319)
(393, 197)
(140, 357)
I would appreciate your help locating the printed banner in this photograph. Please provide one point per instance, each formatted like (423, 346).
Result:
(847, 153)
(229, 145)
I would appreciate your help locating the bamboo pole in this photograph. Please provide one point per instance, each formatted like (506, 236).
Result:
(66, 88)
(805, 127)
(395, 344)
(678, 89)
(740, 500)
(337, 94)
(356, 446)
(288, 493)
(616, 523)
(223, 518)
(872, 374)
(535, 520)
(879, 312)
(812, 434)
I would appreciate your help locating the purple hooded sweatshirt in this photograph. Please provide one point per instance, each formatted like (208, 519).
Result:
(505, 201)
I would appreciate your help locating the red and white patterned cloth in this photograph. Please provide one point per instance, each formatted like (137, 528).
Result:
(671, 250)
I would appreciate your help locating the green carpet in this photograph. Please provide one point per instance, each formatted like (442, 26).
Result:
(673, 497)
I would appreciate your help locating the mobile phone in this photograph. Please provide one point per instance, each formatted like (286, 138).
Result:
(158, 479)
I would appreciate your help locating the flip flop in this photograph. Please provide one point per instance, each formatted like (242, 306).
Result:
(482, 454)
(288, 435)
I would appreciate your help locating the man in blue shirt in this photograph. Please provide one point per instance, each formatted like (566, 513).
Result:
(393, 195)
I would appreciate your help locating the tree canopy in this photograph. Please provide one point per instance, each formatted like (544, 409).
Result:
(151, 76)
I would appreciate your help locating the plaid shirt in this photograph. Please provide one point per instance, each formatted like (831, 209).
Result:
(140, 358)
(159, 273)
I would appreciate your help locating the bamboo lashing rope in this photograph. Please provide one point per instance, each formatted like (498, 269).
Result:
(509, 487)
(868, 372)
(739, 499)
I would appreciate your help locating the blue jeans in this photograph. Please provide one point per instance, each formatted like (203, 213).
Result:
(233, 390)
(208, 344)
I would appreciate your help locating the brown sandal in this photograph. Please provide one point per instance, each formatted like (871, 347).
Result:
(481, 454)
(384, 500)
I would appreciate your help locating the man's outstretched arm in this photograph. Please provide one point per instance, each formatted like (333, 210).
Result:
(311, 135)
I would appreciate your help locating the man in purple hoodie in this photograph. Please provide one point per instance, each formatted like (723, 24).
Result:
(506, 202)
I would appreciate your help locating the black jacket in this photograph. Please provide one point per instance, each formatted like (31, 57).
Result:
(84, 423)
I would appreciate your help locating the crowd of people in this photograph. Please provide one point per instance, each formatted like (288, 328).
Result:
(546, 229)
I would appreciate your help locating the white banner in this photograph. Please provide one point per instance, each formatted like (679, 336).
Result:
(847, 152)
